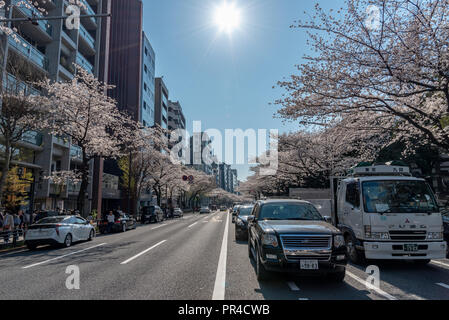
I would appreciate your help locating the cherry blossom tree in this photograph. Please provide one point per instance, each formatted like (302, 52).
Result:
(80, 112)
(389, 71)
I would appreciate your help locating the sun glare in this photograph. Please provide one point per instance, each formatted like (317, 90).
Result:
(227, 17)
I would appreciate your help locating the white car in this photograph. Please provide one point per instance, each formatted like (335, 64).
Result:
(61, 230)
(177, 213)
(205, 210)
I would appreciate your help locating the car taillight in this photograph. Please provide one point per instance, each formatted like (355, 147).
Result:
(118, 221)
(57, 229)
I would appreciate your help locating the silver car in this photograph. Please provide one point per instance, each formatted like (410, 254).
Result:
(204, 210)
(59, 231)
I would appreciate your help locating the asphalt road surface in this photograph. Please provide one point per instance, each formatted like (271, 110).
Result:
(195, 258)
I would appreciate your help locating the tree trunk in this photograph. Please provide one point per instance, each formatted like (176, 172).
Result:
(84, 185)
(5, 169)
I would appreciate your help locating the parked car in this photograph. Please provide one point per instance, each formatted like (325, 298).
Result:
(151, 214)
(177, 213)
(292, 236)
(241, 222)
(223, 208)
(61, 230)
(205, 210)
(213, 208)
(122, 223)
(446, 230)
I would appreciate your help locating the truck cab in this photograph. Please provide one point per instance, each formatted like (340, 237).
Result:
(385, 213)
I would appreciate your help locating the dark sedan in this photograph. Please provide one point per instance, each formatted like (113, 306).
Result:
(241, 222)
(291, 236)
(122, 223)
(151, 214)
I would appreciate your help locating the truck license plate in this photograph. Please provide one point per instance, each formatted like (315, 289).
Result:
(411, 247)
(309, 265)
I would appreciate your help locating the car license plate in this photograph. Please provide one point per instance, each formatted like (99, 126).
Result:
(411, 247)
(309, 265)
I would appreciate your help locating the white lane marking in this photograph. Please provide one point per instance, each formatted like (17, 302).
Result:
(162, 225)
(143, 252)
(378, 290)
(220, 280)
(440, 264)
(443, 285)
(293, 286)
(192, 225)
(63, 256)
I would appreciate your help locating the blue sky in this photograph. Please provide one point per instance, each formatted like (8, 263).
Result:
(226, 81)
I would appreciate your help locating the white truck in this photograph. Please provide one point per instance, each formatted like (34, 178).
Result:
(386, 214)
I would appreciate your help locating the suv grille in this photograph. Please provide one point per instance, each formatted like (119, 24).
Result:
(320, 242)
(408, 235)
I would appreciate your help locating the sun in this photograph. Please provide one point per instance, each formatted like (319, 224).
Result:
(227, 17)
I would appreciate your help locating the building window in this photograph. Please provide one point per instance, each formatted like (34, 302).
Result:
(145, 105)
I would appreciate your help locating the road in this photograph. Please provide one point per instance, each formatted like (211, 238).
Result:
(193, 258)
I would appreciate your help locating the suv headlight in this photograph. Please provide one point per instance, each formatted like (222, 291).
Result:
(270, 240)
(435, 236)
(339, 241)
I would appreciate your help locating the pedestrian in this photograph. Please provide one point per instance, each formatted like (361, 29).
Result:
(111, 220)
(8, 226)
(33, 216)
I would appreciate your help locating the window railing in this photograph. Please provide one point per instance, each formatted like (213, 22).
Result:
(30, 52)
(84, 63)
(33, 12)
(86, 35)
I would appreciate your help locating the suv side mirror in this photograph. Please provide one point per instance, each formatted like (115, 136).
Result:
(328, 219)
(251, 219)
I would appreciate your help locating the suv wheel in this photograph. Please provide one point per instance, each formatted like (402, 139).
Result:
(261, 272)
(355, 255)
(91, 235)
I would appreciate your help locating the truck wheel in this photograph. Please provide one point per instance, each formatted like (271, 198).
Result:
(356, 256)
(261, 272)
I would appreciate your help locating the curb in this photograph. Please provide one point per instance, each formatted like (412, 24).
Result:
(9, 250)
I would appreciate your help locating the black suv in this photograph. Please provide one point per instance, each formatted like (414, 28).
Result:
(291, 236)
(151, 214)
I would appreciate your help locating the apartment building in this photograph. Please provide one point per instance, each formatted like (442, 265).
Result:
(161, 103)
(176, 118)
(148, 82)
(49, 49)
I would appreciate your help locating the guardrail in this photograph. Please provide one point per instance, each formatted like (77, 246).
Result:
(11, 237)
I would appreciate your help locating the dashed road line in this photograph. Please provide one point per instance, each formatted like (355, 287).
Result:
(193, 224)
(377, 290)
(63, 256)
(293, 286)
(162, 225)
(142, 253)
(443, 285)
(220, 279)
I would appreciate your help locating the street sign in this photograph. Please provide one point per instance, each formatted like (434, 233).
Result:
(185, 178)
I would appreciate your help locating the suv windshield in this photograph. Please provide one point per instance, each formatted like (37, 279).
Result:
(289, 211)
(398, 197)
(245, 211)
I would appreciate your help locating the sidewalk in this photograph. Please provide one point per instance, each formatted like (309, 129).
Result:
(12, 246)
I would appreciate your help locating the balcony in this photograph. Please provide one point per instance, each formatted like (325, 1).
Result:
(12, 85)
(34, 138)
(29, 52)
(86, 65)
(41, 25)
(84, 35)
(90, 22)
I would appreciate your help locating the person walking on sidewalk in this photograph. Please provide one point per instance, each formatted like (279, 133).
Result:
(8, 226)
(111, 220)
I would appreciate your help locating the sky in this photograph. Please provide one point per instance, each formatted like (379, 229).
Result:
(226, 80)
